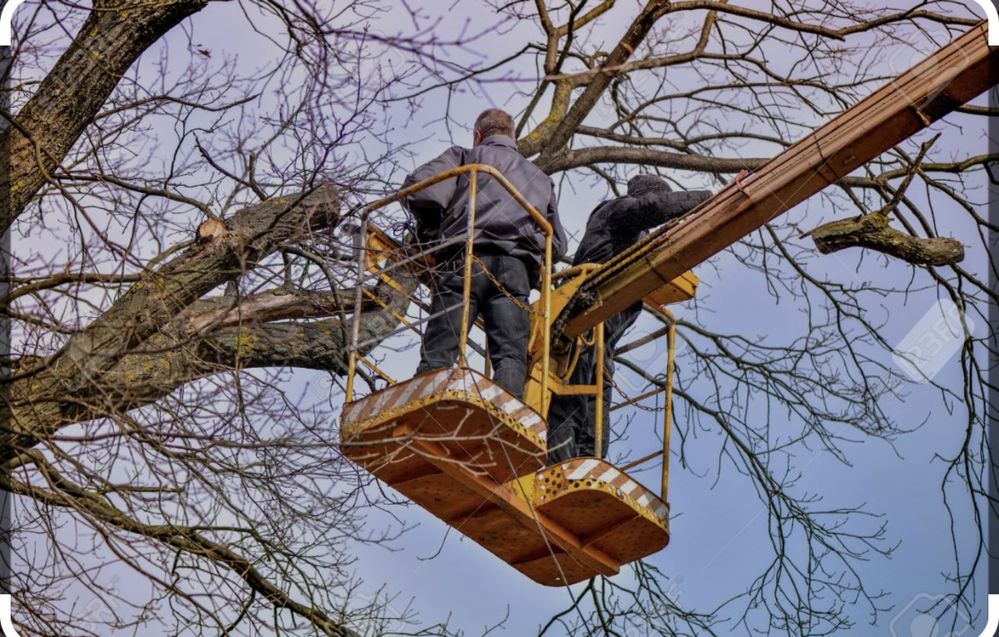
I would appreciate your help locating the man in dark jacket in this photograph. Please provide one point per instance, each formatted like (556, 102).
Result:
(613, 227)
(507, 243)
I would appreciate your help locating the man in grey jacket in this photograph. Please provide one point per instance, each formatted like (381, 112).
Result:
(507, 243)
(613, 227)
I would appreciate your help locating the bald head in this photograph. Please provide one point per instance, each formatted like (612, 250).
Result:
(493, 121)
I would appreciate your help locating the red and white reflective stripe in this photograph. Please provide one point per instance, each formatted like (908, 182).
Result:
(413, 389)
(490, 393)
(609, 475)
(582, 470)
(592, 469)
(459, 381)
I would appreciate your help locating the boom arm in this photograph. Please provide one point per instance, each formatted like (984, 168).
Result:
(949, 78)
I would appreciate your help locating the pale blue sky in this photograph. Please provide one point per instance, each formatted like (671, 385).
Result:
(719, 532)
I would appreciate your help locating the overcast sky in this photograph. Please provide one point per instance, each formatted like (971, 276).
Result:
(720, 539)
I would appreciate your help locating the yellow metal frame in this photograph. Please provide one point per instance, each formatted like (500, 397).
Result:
(364, 265)
(542, 381)
(666, 315)
(597, 390)
(668, 398)
(680, 289)
(471, 398)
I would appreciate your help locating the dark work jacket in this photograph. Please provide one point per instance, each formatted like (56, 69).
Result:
(616, 225)
(501, 225)
(613, 227)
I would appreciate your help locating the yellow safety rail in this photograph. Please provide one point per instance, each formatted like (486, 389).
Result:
(597, 390)
(539, 219)
(522, 511)
(666, 315)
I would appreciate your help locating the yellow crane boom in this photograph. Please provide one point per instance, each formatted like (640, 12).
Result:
(951, 77)
(475, 456)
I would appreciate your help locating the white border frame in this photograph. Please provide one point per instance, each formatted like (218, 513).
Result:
(6, 623)
(991, 14)
(6, 19)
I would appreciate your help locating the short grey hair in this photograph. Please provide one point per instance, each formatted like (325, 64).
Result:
(494, 121)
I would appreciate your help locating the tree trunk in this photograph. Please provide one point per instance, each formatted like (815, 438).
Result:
(113, 36)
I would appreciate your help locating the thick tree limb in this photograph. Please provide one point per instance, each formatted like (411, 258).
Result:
(872, 231)
(274, 305)
(644, 156)
(165, 363)
(251, 234)
(761, 17)
(173, 358)
(113, 36)
(39, 402)
(552, 143)
(648, 157)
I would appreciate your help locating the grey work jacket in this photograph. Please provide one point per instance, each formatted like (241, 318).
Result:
(501, 225)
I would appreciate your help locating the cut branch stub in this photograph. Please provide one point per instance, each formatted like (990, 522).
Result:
(38, 405)
(872, 231)
(211, 229)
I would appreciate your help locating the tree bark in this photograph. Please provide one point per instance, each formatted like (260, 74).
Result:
(872, 231)
(555, 141)
(113, 36)
(62, 388)
(165, 363)
(649, 157)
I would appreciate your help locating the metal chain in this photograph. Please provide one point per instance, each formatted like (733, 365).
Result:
(502, 289)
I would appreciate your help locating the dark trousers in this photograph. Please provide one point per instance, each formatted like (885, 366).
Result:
(507, 324)
(572, 419)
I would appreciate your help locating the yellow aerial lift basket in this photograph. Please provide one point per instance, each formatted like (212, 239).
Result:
(473, 455)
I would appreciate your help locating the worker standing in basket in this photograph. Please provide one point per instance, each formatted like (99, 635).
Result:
(507, 243)
(613, 227)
